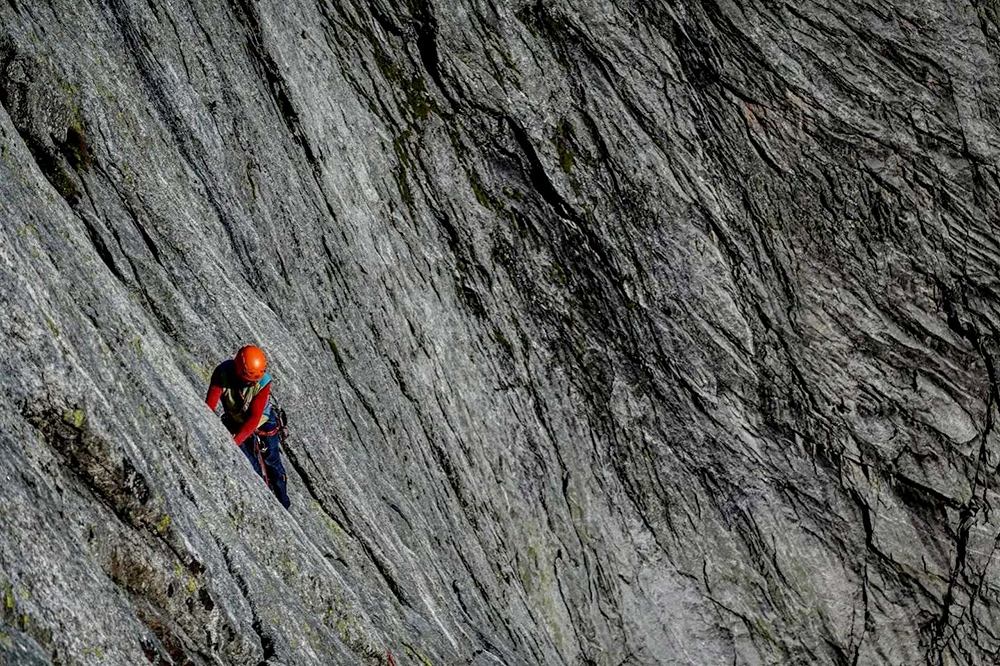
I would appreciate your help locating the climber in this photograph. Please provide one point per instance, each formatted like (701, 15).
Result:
(244, 386)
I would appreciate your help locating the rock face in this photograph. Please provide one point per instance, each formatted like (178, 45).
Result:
(610, 333)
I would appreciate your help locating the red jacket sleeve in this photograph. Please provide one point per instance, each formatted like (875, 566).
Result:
(256, 411)
(214, 394)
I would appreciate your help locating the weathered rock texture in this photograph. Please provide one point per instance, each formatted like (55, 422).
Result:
(611, 333)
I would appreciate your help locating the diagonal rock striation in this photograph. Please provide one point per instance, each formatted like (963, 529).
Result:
(610, 333)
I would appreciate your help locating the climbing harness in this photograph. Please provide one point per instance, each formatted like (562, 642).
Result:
(281, 429)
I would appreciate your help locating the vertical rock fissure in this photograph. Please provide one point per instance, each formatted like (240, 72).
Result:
(266, 641)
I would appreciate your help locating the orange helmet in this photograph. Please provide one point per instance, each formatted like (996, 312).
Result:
(250, 363)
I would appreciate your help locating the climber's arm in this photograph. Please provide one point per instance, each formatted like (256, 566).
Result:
(256, 412)
(213, 397)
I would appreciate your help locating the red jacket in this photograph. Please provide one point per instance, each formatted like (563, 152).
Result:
(224, 378)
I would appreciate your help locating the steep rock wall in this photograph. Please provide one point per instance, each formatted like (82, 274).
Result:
(611, 334)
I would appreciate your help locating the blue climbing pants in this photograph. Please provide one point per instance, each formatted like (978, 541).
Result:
(267, 446)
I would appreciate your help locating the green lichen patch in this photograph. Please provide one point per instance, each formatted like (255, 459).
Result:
(351, 634)
(476, 183)
(332, 525)
(504, 342)
(70, 435)
(76, 149)
(8, 597)
(557, 274)
(54, 170)
(989, 17)
(201, 371)
(163, 525)
(403, 164)
(416, 103)
(562, 139)
(74, 417)
(13, 614)
(416, 654)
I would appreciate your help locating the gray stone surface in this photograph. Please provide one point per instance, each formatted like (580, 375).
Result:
(18, 648)
(611, 333)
